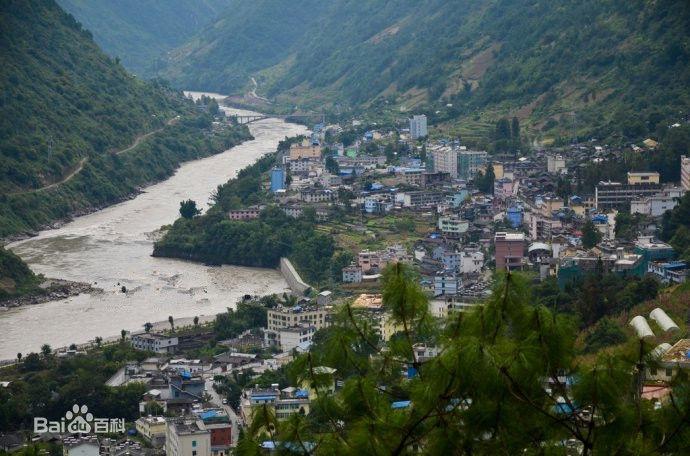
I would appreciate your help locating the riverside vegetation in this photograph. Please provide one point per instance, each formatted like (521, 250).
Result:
(213, 238)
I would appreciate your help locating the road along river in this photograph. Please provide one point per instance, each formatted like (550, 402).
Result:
(112, 248)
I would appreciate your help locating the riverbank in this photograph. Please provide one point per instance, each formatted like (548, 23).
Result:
(110, 178)
(50, 290)
(113, 246)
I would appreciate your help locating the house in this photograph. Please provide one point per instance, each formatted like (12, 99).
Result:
(218, 423)
(316, 195)
(509, 250)
(87, 445)
(671, 362)
(352, 274)
(284, 403)
(155, 342)
(249, 213)
(453, 225)
(471, 262)
(447, 282)
(187, 437)
(289, 338)
(151, 428)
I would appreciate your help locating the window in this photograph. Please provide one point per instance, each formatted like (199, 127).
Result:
(669, 372)
(193, 443)
(193, 452)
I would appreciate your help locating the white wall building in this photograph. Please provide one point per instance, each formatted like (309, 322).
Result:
(471, 262)
(187, 437)
(555, 163)
(685, 172)
(418, 127)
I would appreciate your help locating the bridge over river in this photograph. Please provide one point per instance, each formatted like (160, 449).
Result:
(249, 118)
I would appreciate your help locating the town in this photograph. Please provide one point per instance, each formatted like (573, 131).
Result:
(452, 213)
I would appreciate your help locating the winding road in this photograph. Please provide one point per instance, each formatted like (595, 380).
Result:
(83, 161)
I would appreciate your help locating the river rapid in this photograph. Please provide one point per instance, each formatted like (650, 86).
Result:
(112, 248)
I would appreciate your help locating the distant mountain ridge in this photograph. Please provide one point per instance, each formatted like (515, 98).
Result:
(140, 32)
(589, 66)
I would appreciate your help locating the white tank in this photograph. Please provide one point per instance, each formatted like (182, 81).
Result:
(663, 320)
(641, 327)
(659, 351)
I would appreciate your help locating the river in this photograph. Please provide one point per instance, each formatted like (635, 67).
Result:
(112, 247)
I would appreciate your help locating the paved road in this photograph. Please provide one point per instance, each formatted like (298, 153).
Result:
(217, 400)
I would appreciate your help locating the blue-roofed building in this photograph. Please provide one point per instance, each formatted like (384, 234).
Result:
(397, 405)
(514, 215)
(284, 403)
(277, 179)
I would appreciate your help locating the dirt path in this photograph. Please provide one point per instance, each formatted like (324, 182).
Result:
(83, 161)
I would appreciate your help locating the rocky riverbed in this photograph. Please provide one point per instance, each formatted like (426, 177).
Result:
(51, 290)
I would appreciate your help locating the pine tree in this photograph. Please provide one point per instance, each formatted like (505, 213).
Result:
(506, 380)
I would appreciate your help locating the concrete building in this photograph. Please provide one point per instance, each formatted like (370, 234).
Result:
(453, 225)
(685, 172)
(447, 283)
(445, 160)
(555, 164)
(249, 213)
(218, 423)
(470, 162)
(377, 204)
(654, 206)
(304, 150)
(421, 199)
(187, 437)
(418, 127)
(277, 179)
(152, 428)
(471, 262)
(510, 250)
(639, 178)
(616, 195)
(153, 342)
(87, 445)
(352, 274)
(285, 402)
(287, 339)
(316, 196)
(285, 317)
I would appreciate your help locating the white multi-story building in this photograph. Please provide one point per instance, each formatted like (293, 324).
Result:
(187, 437)
(418, 127)
(471, 262)
(445, 160)
(453, 225)
(447, 283)
(352, 274)
(153, 342)
(290, 338)
(685, 172)
(555, 164)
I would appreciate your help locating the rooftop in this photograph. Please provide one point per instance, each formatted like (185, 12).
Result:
(678, 353)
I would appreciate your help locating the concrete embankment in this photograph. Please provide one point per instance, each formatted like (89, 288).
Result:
(292, 277)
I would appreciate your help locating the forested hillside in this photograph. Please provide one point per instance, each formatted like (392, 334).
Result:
(66, 109)
(139, 32)
(600, 67)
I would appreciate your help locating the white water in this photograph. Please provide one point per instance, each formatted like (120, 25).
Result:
(112, 247)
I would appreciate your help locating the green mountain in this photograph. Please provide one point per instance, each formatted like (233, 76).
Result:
(68, 115)
(138, 32)
(563, 66)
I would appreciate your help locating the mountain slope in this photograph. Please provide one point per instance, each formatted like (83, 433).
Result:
(616, 65)
(66, 108)
(138, 32)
